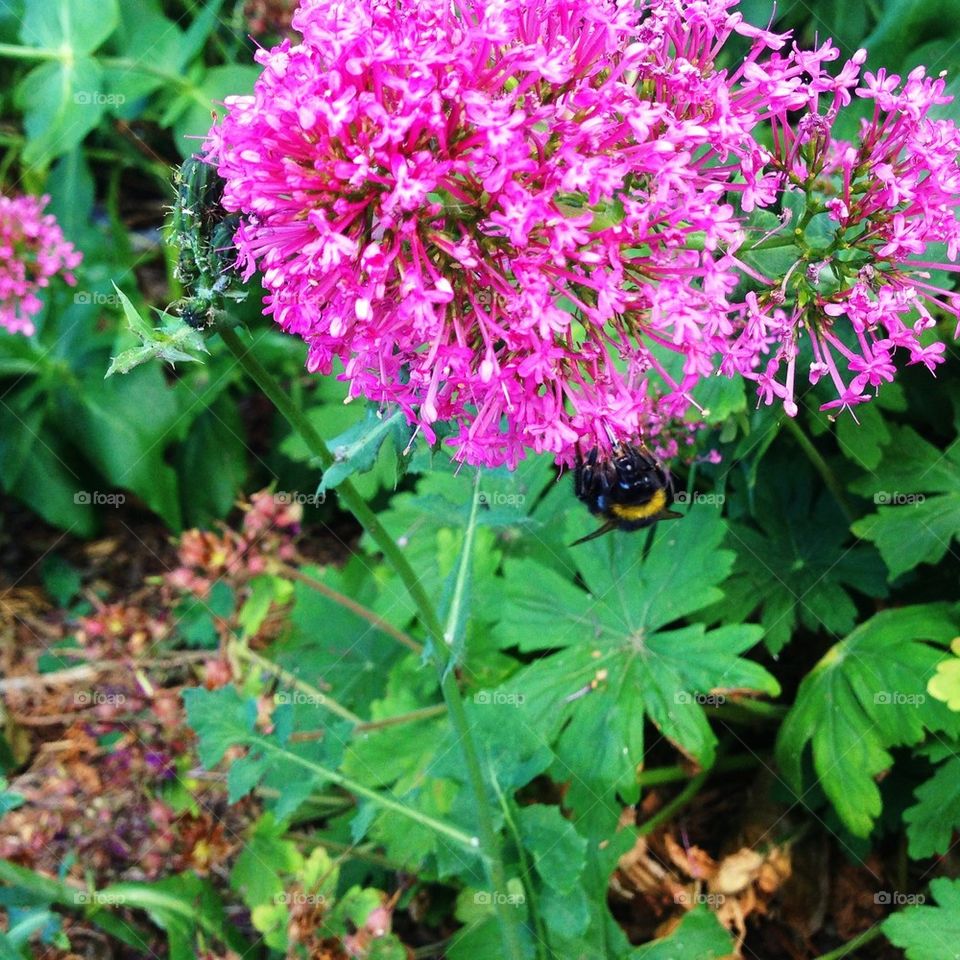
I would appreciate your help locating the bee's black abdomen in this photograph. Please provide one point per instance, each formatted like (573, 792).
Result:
(628, 488)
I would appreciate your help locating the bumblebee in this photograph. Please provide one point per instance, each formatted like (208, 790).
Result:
(628, 488)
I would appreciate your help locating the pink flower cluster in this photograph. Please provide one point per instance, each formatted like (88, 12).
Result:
(32, 251)
(538, 219)
(266, 537)
(878, 215)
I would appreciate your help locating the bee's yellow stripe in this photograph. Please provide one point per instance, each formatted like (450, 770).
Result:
(640, 511)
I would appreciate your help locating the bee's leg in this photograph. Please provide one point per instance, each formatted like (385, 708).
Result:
(606, 528)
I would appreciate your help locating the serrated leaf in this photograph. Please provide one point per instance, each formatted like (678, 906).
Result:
(172, 343)
(223, 719)
(700, 936)
(917, 492)
(618, 662)
(928, 932)
(793, 564)
(357, 449)
(867, 695)
(932, 820)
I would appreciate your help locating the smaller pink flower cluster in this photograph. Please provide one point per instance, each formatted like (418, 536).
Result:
(267, 537)
(879, 214)
(32, 251)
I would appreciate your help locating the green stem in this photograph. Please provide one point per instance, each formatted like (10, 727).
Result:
(425, 713)
(527, 871)
(292, 680)
(489, 842)
(855, 944)
(661, 775)
(381, 799)
(676, 804)
(821, 466)
(14, 51)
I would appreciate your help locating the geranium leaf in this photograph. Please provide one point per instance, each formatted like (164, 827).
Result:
(927, 932)
(867, 695)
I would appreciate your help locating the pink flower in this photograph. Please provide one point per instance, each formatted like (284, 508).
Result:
(32, 252)
(861, 291)
(500, 213)
(543, 220)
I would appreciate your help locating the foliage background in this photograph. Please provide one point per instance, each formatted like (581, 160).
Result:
(777, 664)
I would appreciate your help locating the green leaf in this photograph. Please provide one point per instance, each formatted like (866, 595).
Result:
(222, 718)
(917, 492)
(863, 442)
(62, 101)
(700, 936)
(48, 483)
(147, 36)
(182, 905)
(124, 427)
(945, 684)
(256, 874)
(212, 463)
(356, 450)
(617, 661)
(559, 852)
(907, 23)
(195, 617)
(72, 27)
(932, 820)
(928, 932)
(793, 564)
(867, 695)
(61, 579)
(72, 190)
(331, 647)
(176, 341)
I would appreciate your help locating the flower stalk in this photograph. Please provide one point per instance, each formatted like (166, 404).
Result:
(488, 841)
